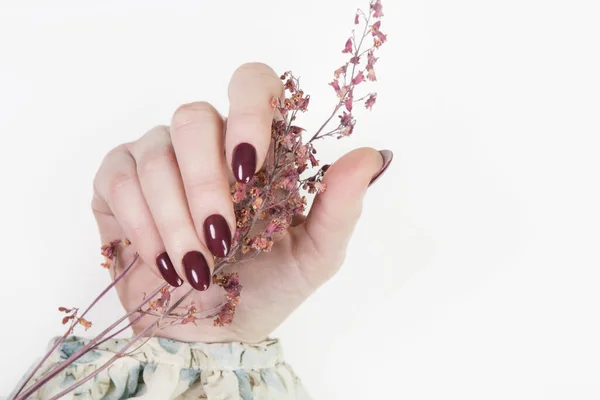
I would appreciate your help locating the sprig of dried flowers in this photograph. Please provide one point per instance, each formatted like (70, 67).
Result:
(264, 206)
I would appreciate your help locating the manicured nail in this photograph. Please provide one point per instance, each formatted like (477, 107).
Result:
(196, 270)
(387, 156)
(243, 162)
(165, 266)
(217, 235)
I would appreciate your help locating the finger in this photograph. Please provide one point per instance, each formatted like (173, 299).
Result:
(248, 136)
(334, 213)
(163, 190)
(197, 136)
(119, 204)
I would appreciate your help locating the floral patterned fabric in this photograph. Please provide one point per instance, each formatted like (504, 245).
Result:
(167, 369)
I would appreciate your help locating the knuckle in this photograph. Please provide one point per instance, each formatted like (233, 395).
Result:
(175, 228)
(332, 219)
(198, 185)
(261, 72)
(98, 204)
(113, 155)
(248, 117)
(156, 159)
(191, 113)
(141, 232)
(159, 130)
(256, 67)
(158, 134)
(323, 264)
(120, 149)
(118, 184)
(315, 250)
(112, 174)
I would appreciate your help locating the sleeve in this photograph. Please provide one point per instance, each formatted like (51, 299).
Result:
(166, 369)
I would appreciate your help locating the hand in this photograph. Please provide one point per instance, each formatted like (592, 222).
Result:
(169, 193)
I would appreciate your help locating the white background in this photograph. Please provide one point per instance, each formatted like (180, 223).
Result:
(474, 273)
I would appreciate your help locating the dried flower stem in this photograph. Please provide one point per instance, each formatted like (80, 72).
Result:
(127, 326)
(76, 321)
(121, 352)
(75, 356)
(102, 368)
(352, 76)
(113, 283)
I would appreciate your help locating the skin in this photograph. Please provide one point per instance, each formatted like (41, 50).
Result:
(158, 190)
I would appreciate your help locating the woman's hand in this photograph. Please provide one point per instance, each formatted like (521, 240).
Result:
(169, 193)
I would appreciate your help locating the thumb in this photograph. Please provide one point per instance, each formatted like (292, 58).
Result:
(334, 213)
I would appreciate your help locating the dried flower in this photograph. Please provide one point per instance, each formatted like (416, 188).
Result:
(231, 284)
(190, 317)
(371, 101)
(341, 70)
(349, 100)
(85, 323)
(163, 301)
(380, 37)
(109, 252)
(377, 9)
(348, 46)
(358, 78)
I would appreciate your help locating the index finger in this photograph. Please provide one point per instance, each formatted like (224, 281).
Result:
(251, 89)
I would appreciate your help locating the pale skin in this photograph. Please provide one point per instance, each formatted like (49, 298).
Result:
(157, 191)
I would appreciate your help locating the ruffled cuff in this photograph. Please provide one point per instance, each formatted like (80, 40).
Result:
(167, 369)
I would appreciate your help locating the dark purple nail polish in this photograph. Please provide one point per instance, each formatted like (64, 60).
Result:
(387, 156)
(196, 270)
(217, 235)
(165, 266)
(243, 162)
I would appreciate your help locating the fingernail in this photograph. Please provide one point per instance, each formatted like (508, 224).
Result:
(243, 162)
(196, 270)
(217, 235)
(165, 266)
(387, 156)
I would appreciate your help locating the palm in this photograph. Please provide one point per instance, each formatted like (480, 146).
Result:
(273, 287)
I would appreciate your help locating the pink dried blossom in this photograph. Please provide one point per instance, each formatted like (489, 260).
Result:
(371, 59)
(371, 75)
(371, 101)
(349, 100)
(380, 36)
(355, 60)
(358, 78)
(348, 46)
(341, 70)
(345, 119)
(377, 9)
(231, 284)
(109, 252)
(336, 86)
(190, 316)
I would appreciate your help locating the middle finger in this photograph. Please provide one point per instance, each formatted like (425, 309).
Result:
(160, 180)
(197, 135)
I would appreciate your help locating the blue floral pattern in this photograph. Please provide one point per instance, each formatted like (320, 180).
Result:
(167, 369)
